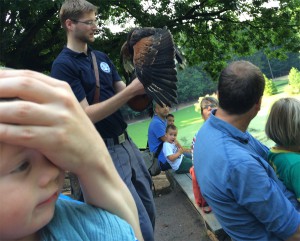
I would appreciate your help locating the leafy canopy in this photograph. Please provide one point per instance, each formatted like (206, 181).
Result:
(210, 32)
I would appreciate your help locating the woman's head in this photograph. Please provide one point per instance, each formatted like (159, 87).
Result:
(207, 104)
(283, 124)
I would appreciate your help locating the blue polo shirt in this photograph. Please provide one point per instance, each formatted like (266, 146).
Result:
(241, 187)
(156, 130)
(77, 69)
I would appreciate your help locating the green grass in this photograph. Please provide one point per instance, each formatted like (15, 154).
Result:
(189, 122)
(280, 84)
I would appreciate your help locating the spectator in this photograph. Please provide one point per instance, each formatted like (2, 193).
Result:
(170, 119)
(174, 154)
(207, 104)
(231, 166)
(75, 65)
(285, 132)
(156, 133)
(40, 136)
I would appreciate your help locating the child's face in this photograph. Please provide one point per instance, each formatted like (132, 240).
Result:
(29, 187)
(170, 120)
(171, 135)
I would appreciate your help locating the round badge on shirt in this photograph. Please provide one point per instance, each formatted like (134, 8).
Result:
(105, 67)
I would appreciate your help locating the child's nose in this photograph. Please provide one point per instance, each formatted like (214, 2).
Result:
(48, 172)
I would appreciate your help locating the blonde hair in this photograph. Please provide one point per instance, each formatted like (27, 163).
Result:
(283, 124)
(74, 9)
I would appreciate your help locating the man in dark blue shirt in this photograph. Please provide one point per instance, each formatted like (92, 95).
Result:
(74, 65)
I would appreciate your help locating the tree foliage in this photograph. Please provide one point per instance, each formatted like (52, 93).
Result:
(270, 87)
(209, 32)
(294, 81)
(193, 82)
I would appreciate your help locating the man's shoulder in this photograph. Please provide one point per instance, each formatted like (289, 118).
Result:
(101, 55)
(64, 57)
(156, 120)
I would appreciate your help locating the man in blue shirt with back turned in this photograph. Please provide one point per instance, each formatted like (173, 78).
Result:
(230, 165)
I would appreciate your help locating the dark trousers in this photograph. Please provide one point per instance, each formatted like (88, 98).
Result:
(131, 167)
(186, 164)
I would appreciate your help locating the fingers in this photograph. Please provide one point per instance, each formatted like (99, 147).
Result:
(31, 86)
(47, 118)
(27, 136)
(25, 113)
(43, 100)
(6, 73)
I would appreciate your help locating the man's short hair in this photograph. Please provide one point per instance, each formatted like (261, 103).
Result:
(74, 9)
(283, 124)
(241, 85)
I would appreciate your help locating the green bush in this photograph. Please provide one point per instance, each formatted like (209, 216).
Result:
(294, 81)
(270, 88)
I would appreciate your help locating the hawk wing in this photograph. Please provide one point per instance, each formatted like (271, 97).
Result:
(152, 53)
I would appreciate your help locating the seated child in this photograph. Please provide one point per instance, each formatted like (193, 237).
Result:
(174, 155)
(283, 127)
(42, 133)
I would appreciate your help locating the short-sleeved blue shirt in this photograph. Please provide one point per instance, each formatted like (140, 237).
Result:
(77, 69)
(79, 221)
(241, 187)
(156, 130)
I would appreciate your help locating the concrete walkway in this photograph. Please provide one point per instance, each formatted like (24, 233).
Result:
(176, 218)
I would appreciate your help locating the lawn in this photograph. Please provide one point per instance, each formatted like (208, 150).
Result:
(189, 121)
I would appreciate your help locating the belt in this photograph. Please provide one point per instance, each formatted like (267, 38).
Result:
(117, 140)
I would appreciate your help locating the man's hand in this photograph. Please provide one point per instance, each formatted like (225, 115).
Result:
(138, 86)
(48, 118)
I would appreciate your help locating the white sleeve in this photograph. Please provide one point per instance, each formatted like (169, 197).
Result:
(167, 149)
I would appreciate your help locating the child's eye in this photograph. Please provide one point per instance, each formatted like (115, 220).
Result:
(22, 167)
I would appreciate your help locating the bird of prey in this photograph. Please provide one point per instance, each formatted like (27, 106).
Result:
(149, 54)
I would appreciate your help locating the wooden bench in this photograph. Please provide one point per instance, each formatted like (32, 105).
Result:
(184, 181)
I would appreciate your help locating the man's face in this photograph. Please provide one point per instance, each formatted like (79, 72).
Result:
(85, 28)
(162, 112)
(29, 187)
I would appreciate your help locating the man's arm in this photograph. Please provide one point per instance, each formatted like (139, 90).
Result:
(101, 110)
(267, 201)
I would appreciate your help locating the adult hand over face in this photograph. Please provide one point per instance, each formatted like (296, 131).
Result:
(47, 118)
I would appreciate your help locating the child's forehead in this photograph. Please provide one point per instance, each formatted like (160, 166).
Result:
(8, 151)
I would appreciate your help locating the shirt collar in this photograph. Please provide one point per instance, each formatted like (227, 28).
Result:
(77, 54)
(228, 129)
